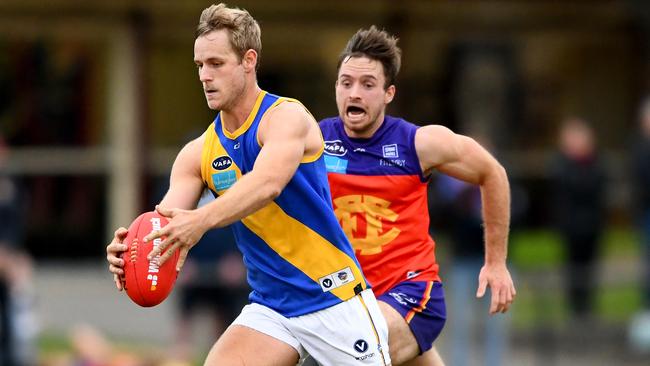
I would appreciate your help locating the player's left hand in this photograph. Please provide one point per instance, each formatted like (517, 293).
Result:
(498, 278)
(183, 231)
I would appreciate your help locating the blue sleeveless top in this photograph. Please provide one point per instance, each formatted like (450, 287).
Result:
(297, 256)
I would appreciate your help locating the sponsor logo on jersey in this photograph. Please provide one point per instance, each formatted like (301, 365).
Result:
(362, 218)
(403, 298)
(361, 346)
(336, 279)
(393, 162)
(390, 151)
(222, 162)
(224, 180)
(412, 274)
(336, 165)
(335, 148)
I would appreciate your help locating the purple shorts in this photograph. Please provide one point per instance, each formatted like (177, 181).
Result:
(422, 304)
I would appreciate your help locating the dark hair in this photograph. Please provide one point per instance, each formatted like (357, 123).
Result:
(377, 45)
(243, 31)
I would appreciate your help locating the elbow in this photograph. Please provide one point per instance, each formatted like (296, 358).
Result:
(271, 189)
(496, 173)
(273, 192)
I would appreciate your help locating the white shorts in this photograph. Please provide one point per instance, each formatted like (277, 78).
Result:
(353, 332)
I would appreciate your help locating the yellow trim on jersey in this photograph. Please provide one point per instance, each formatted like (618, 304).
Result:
(206, 155)
(278, 101)
(312, 158)
(301, 255)
(251, 117)
(212, 149)
(305, 159)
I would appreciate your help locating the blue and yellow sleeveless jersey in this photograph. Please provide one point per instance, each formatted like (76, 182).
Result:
(298, 257)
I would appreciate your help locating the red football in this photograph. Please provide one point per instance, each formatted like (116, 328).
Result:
(146, 283)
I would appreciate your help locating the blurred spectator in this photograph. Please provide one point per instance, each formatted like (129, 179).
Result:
(17, 325)
(212, 284)
(640, 324)
(578, 182)
(641, 181)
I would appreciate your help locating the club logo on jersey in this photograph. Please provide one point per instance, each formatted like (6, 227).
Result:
(362, 218)
(336, 279)
(222, 163)
(390, 151)
(335, 148)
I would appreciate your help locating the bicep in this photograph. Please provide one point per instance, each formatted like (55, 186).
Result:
(283, 137)
(185, 182)
(452, 154)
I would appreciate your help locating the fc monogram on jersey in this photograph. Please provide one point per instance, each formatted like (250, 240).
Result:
(353, 211)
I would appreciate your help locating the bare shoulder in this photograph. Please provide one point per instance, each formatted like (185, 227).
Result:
(289, 118)
(189, 158)
(435, 145)
(293, 111)
(432, 133)
(195, 146)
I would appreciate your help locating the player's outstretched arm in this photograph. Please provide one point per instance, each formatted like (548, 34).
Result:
(463, 158)
(184, 191)
(282, 135)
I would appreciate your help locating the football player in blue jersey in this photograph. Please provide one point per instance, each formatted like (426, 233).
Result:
(262, 158)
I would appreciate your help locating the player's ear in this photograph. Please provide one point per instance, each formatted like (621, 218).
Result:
(249, 60)
(389, 94)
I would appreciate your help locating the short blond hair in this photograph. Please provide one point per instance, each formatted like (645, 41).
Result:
(243, 31)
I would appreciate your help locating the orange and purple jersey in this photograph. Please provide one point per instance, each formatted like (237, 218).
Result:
(379, 196)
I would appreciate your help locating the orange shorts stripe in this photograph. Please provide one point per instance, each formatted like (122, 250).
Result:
(423, 303)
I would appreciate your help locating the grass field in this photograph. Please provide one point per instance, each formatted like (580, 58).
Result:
(537, 258)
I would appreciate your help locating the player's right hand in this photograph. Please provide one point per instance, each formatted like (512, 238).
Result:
(113, 251)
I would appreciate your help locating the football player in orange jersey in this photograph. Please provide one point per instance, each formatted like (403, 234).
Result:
(378, 169)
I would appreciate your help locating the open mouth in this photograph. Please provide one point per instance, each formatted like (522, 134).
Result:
(355, 112)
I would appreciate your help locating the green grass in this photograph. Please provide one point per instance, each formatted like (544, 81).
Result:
(535, 249)
(537, 255)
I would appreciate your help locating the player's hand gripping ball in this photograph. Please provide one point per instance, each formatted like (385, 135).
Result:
(147, 283)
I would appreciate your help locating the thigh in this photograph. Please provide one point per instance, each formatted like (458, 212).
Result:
(350, 333)
(241, 345)
(415, 312)
(401, 341)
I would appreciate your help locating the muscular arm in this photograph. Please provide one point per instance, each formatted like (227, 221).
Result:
(283, 136)
(286, 134)
(463, 158)
(185, 188)
(185, 183)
